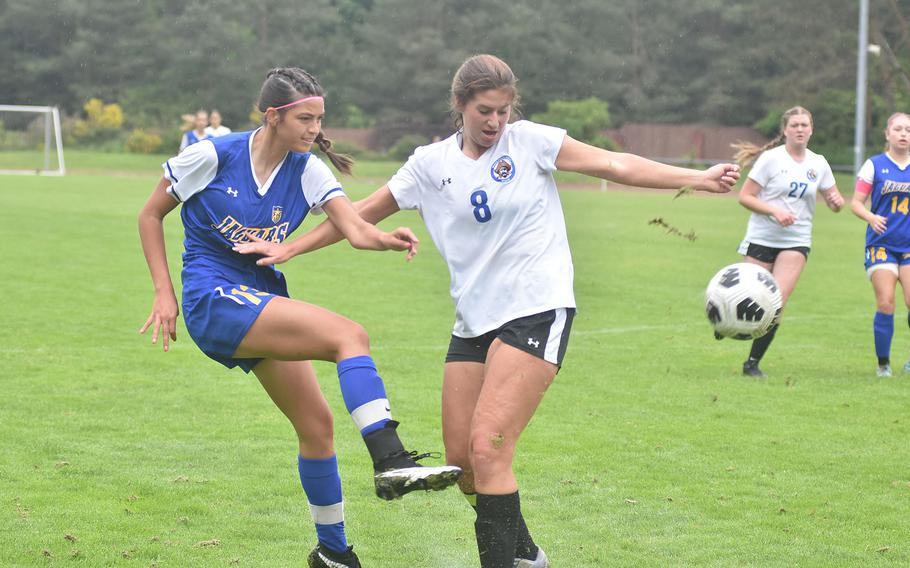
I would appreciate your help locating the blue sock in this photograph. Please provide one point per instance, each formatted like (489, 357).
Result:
(364, 393)
(322, 486)
(883, 327)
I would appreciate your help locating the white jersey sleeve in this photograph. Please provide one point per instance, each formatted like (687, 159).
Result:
(761, 171)
(544, 142)
(867, 172)
(826, 180)
(406, 185)
(192, 170)
(319, 184)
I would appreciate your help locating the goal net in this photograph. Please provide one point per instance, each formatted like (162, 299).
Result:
(31, 140)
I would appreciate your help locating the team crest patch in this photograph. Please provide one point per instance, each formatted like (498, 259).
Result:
(503, 169)
(277, 210)
(812, 174)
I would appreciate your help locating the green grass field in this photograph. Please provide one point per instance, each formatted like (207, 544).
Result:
(649, 450)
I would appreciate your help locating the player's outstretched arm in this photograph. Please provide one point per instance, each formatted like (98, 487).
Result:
(365, 235)
(634, 170)
(379, 205)
(151, 232)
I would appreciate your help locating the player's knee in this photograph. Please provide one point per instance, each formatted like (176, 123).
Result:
(316, 436)
(355, 338)
(490, 449)
(458, 456)
(885, 305)
(351, 340)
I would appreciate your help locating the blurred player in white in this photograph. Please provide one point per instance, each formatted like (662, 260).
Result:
(886, 179)
(215, 127)
(490, 203)
(781, 190)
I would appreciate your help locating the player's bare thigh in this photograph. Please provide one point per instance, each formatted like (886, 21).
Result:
(291, 330)
(787, 268)
(904, 277)
(883, 284)
(514, 384)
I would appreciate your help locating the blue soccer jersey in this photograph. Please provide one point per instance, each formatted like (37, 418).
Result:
(890, 199)
(223, 203)
(191, 138)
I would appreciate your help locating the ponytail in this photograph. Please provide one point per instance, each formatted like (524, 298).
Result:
(342, 162)
(747, 152)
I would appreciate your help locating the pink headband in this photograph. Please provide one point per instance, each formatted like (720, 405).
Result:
(297, 102)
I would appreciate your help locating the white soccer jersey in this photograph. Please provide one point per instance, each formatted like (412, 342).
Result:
(792, 186)
(498, 223)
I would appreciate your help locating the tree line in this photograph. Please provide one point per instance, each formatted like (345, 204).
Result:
(388, 63)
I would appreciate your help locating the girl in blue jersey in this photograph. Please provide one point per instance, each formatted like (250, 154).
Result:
(489, 200)
(886, 178)
(259, 186)
(198, 132)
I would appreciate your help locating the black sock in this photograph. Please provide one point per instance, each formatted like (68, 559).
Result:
(524, 544)
(496, 528)
(760, 345)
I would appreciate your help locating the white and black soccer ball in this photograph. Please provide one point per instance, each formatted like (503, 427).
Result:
(742, 301)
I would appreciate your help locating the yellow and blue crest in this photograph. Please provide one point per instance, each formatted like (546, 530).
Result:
(277, 210)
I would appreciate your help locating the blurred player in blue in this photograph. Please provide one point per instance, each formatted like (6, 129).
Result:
(258, 186)
(198, 132)
(886, 178)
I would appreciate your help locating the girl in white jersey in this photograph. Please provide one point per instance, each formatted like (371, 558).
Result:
(780, 191)
(489, 201)
(264, 183)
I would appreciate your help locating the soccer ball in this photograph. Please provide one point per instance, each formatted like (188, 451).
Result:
(742, 301)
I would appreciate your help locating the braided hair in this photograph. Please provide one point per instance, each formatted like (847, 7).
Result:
(746, 152)
(284, 85)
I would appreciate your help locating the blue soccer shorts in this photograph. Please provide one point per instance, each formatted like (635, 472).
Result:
(219, 314)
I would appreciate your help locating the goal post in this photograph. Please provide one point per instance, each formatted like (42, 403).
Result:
(53, 139)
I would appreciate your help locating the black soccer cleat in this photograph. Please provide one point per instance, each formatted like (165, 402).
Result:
(322, 557)
(396, 471)
(750, 369)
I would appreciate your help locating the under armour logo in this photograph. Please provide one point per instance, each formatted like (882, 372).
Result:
(231, 191)
(445, 182)
(533, 342)
(885, 170)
